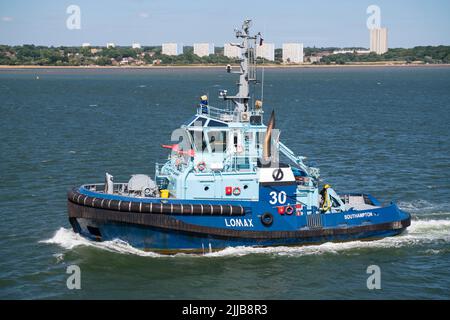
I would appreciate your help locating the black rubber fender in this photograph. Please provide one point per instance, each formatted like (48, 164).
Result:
(155, 207)
(267, 219)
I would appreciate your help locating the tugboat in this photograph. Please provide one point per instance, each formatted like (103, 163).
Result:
(229, 181)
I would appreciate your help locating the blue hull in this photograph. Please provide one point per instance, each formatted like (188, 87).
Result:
(153, 239)
(151, 224)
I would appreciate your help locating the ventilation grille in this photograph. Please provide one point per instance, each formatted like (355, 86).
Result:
(314, 221)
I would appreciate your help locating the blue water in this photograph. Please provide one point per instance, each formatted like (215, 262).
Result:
(379, 130)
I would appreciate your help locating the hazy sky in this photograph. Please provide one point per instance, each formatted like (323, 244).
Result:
(149, 22)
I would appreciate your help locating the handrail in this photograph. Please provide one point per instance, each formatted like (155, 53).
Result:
(222, 114)
(216, 113)
(100, 187)
(314, 172)
(231, 161)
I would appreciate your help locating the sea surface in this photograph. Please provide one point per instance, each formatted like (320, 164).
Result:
(384, 131)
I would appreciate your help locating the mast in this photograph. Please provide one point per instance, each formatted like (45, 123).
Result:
(247, 67)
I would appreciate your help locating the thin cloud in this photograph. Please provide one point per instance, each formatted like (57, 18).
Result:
(7, 19)
(143, 15)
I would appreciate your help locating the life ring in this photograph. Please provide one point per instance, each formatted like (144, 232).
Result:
(147, 191)
(289, 210)
(201, 166)
(267, 219)
(236, 191)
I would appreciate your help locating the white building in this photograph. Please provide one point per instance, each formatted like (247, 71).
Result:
(110, 45)
(351, 51)
(378, 40)
(314, 59)
(136, 45)
(170, 49)
(293, 52)
(231, 51)
(203, 49)
(266, 51)
(86, 45)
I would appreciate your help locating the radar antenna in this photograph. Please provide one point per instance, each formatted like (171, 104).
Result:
(247, 67)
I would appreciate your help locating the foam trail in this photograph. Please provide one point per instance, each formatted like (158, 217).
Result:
(423, 207)
(68, 239)
(420, 232)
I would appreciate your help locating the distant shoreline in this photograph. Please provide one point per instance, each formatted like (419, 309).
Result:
(200, 66)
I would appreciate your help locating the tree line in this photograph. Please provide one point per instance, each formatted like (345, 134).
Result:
(82, 56)
(425, 54)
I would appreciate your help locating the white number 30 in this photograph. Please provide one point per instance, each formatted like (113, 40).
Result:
(280, 197)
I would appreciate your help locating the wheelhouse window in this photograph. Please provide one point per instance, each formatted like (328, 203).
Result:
(218, 141)
(198, 140)
(197, 122)
(213, 123)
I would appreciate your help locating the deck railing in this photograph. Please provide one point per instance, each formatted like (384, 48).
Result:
(216, 113)
(119, 187)
(225, 115)
(240, 163)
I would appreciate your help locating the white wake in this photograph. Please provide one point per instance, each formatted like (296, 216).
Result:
(420, 232)
(68, 239)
